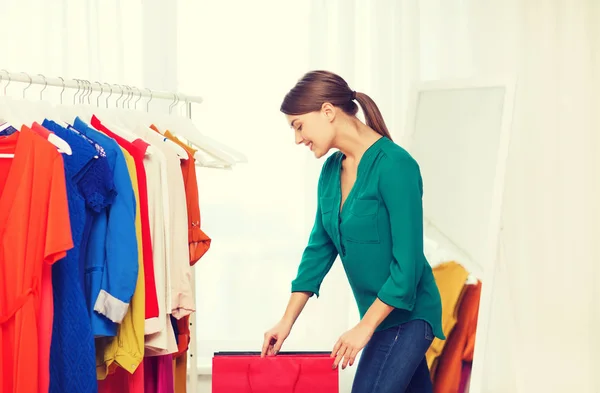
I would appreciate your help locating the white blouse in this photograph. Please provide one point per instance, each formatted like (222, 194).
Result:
(178, 299)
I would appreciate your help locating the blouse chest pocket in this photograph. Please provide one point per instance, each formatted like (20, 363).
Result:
(362, 224)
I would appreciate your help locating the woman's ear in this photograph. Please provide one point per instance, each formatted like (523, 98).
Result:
(328, 111)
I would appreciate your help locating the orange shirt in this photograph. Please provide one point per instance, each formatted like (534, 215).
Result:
(460, 345)
(198, 240)
(34, 229)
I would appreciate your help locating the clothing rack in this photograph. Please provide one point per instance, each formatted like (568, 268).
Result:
(84, 84)
(87, 86)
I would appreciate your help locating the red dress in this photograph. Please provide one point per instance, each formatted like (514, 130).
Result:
(34, 230)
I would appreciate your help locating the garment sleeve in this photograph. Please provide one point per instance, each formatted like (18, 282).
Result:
(320, 252)
(58, 225)
(97, 185)
(199, 242)
(400, 186)
(121, 268)
(182, 297)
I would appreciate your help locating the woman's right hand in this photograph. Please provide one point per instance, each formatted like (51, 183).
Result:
(274, 338)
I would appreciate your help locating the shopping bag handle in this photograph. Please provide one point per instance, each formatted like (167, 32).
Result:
(265, 385)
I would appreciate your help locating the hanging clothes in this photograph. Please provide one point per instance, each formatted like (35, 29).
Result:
(450, 278)
(199, 243)
(89, 186)
(111, 264)
(181, 298)
(158, 198)
(126, 350)
(35, 230)
(458, 352)
(178, 274)
(137, 153)
(105, 239)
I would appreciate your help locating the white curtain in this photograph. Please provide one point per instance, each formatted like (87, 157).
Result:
(95, 40)
(130, 43)
(548, 278)
(243, 63)
(543, 334)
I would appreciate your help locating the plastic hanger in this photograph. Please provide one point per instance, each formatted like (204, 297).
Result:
(44, 109)
(12, 110)
(24, 110)
(138, 121)
(187, 129)
(114, 116)
(181, 152)
(113, 121)
(57, 141)
(104, 113)
(67, 113)
(84, 110)
(4, 125)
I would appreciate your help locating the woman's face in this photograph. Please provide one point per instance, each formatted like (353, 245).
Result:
(314, 130)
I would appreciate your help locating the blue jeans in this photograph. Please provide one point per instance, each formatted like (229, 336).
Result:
(394, 361)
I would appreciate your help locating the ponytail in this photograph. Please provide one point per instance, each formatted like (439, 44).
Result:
(318, 87)
(372, 115)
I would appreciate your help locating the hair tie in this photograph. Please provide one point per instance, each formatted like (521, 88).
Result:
(353, 95)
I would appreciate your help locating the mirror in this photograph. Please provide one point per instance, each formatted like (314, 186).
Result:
(459, 132)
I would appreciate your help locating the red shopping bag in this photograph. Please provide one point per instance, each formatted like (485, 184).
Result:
(288, 372)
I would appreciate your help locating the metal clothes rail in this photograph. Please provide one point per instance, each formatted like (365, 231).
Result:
(83, 84)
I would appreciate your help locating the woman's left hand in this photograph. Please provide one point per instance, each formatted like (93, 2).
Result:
(350, 344)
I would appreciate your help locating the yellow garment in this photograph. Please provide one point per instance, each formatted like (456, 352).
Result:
(127, 348)
(450, 278)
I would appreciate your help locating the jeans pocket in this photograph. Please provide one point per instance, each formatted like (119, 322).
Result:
(428, 331)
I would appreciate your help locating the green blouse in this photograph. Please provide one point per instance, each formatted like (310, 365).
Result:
(378, 235)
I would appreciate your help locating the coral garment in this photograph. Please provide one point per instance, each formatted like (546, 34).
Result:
(198, 240)
(460, 345)
(34, 229)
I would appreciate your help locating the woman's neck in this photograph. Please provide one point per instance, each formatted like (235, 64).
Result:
(354, 138)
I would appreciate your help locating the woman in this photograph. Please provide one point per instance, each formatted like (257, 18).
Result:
(369, 213)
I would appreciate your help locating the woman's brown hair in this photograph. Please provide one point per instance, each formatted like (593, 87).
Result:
(317, 87)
